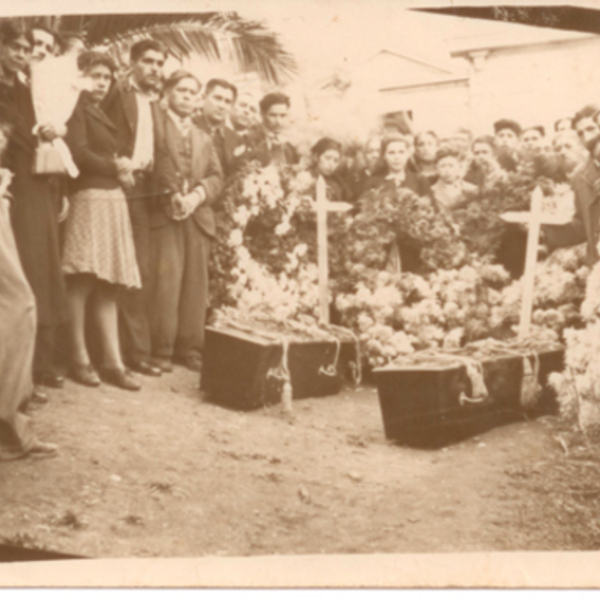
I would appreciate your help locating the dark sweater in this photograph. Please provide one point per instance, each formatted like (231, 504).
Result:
(92, 139)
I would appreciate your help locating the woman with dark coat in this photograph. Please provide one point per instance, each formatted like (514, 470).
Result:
(326, 156)
(395, 152)
(98, 255)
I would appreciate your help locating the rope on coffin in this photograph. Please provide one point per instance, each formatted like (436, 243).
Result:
(530, 386)
(282, 371)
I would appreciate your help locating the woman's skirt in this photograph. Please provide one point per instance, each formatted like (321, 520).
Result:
(98, 239)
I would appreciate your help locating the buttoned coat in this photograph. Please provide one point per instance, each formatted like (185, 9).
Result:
(205, 171)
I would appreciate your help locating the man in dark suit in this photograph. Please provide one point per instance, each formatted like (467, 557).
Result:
(36, 200)
(130, 107)
(585, 225)
(219, 98)
(269, 145)
(189, 180)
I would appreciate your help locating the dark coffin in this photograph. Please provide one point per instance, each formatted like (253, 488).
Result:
(238, 368)
(420, 397)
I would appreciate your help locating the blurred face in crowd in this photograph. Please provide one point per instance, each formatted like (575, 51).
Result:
(182, 97)
(276, 118)
(449, 169)
(533, 140)
(483, 154)
(426, 146)
(147, 70)
(372, 152)
(16, 55)
(586, 129)
(100, 78)
(217, 104)
(569, 149)
(328, 162)
(564, 125)
(396, 156)
(245, 112)
(43, 44)
(507, 138)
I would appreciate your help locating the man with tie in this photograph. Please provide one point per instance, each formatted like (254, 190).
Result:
(130, 106)
(269, 145)
(219, 98)
(189, 180)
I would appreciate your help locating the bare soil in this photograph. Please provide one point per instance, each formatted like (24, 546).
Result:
(163, 473)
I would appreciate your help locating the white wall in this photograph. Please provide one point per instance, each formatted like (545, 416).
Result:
(534, 85)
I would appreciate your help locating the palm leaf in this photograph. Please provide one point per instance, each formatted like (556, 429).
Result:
(215, 36)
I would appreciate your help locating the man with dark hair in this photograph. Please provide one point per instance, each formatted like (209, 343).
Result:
(508, 139)
(219, 98)
(585, 225)
(45, 42)
(36, 200)
(183, 225)
(269, 145)
(584, 123)
(130, 106)
(533, 138)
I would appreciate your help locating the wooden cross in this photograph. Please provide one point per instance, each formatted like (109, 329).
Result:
(323, 207)
(534, 219)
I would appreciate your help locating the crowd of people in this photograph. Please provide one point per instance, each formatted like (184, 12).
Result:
(107, 219)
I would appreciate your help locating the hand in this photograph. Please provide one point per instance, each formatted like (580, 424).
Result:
(191, 202)
(123, 164)
(48, 132)
(177, 207)
(64, 210)
(126, 179)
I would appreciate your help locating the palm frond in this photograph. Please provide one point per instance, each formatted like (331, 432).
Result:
(213, 36)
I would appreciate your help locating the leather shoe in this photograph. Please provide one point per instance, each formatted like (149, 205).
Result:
(145, 368)
(49, 379)
(84, 374)
(122, 378)
(193, 363)
(164, 364)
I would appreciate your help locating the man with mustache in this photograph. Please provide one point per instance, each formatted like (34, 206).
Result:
(130, 107)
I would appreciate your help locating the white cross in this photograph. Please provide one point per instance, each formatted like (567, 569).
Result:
(323, 207)
(534, 219)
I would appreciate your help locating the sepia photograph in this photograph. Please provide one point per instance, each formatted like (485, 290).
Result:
(300, 293)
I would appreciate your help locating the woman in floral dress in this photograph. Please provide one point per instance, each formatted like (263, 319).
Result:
(99, 256)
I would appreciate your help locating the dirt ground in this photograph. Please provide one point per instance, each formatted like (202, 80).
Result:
(162, 473)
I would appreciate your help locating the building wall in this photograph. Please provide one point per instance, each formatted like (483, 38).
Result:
(534, 85)
(537, 84)
(442, 108)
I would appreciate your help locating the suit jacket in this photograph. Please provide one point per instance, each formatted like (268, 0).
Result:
(585, 225)
(120, 105)
(206, 172)
(231, 148)
(260, 151)
(92, 139)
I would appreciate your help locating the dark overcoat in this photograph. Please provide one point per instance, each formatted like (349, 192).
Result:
(35, 207)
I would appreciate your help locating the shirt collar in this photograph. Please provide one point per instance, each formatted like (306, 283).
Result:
(181, 122)
(136, 88)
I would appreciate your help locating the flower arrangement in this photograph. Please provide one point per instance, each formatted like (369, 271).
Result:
(578, 387)
(559, 291)
(397, 314)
